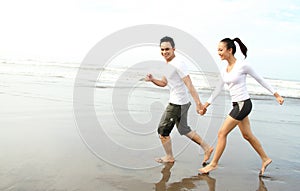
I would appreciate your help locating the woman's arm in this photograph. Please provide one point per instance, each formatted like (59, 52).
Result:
(216, 92)
(249, 70)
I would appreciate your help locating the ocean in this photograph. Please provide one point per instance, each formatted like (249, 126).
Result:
(43, 72)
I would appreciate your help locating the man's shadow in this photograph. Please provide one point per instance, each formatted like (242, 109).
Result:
(185, 183)
(191, 182)
(261, 185)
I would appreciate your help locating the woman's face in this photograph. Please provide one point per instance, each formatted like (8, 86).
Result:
(223, 52)
(167, 51)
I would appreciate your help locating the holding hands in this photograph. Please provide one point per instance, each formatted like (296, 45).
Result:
(201, 109)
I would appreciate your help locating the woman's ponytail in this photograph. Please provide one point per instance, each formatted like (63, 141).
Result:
(242, 46)
(230, 44)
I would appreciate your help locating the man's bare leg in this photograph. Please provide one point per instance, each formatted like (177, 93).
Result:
(167, 144)
(197, 139)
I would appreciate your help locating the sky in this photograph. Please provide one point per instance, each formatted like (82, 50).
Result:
(65, 30)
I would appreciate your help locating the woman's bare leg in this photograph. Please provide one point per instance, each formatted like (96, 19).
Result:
(245, 129)
(228, 125)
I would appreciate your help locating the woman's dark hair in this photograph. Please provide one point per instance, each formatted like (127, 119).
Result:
(167, 39)
(230, 44)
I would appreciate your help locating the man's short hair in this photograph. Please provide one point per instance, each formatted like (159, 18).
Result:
(167, 39)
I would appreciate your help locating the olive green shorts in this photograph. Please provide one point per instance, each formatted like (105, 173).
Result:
(174, 114)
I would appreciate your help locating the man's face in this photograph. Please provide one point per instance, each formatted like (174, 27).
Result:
(167, 51)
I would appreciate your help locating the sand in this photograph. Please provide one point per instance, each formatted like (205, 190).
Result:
(42, 147)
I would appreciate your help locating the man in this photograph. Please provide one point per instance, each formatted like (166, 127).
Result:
(176, 112)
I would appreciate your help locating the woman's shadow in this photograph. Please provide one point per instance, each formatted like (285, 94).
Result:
(191, 182)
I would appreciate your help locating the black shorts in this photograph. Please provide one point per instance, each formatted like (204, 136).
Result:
(174, 114)
(241, 109)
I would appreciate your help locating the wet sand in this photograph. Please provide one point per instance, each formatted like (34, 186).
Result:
(42, 149)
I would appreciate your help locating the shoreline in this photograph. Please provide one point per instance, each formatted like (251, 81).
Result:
(42, 147)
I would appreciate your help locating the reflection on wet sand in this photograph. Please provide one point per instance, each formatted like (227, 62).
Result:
(262, 186)
(191, 182)
(185, 183)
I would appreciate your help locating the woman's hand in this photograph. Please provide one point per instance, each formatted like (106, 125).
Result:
(279, 99)
(202, 108)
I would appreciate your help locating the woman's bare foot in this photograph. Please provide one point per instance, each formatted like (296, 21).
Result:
(264, 166)
(207, 154)
(208, 168)
(164, 159)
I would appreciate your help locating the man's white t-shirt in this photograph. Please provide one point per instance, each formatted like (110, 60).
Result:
(178, 90)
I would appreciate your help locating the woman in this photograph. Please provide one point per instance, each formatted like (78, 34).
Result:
(234, 75)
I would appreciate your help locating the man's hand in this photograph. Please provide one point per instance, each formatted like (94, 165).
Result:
(201, 109)
(149, 78)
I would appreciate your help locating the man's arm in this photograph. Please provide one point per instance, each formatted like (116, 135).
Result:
(188, 82)
(161, 83)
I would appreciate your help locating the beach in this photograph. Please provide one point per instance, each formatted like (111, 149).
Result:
(47, 143)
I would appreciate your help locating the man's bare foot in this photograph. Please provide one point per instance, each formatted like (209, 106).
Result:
(207, 155)
(164, 159)
(264, 166)
(207, 169)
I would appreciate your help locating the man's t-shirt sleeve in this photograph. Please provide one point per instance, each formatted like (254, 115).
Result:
(182, 69)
